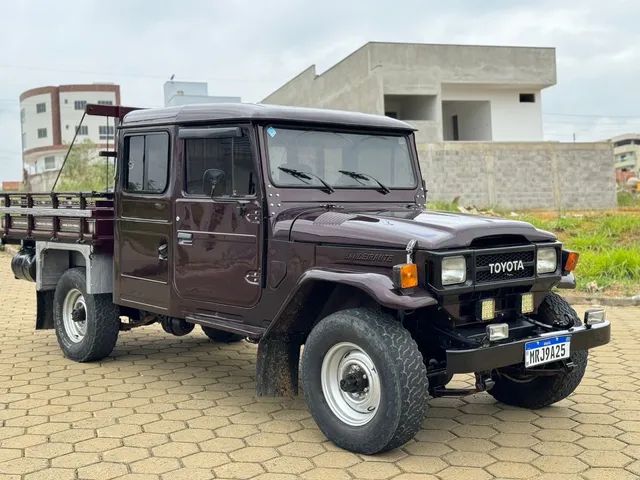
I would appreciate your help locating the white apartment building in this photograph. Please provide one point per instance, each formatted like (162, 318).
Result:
(49, 117)
(448, 92)
(185, 93)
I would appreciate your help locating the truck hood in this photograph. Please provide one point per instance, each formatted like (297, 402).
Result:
(394, 228)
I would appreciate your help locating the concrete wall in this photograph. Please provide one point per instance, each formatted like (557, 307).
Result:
(559, 176)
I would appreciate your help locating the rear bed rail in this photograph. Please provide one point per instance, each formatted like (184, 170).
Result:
(82, 217)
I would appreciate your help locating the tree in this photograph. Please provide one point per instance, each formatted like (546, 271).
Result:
(85, 171)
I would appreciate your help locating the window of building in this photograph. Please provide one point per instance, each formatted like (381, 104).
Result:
(80, 104)
(232, 156)
(50, 163)
(105, 102)
(527, 98)
(41, 107)
(82, 130)
(106, 132)
(147, 161)
(42, 133)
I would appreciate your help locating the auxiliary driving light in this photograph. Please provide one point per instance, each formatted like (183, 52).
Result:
(405, 275)
(526, 303)
(594, 316)
(497, 331)
(488, 309)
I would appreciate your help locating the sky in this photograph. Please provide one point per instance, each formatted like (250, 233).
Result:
(249, 49)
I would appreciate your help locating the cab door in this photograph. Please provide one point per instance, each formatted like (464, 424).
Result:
(144, 222)
(218, 219)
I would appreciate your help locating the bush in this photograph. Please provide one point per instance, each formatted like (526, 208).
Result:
(628, 199)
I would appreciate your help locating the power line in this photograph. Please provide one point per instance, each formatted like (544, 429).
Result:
(124, 74)
(594, 115)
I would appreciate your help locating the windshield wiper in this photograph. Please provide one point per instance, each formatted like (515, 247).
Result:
(364, 176)
(299, 174)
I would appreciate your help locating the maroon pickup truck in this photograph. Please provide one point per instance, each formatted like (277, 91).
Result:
(292, 227)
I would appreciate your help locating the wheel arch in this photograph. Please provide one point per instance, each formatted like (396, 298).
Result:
(319, 293)
(335, 290)
(53, 259)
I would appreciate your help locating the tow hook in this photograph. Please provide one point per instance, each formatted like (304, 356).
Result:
(484, 383)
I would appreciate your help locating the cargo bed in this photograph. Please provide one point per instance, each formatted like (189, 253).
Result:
(78, 217)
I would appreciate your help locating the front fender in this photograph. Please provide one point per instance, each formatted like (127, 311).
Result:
(279, 347)
(377, 286)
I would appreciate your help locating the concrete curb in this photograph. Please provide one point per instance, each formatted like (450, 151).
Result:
(604, 301)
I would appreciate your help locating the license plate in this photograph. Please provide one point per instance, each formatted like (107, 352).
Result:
(547, 350)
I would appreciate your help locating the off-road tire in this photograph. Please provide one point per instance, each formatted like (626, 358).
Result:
(221, 336)
(102, 320)
(403, 379)
(545, 390)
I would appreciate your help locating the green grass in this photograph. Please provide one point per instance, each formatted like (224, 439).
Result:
(608, 243)
(627, 199)
(443, 206)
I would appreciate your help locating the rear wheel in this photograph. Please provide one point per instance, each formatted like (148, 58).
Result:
(530, 391)
(86, 325)
(221, 336)
(364, 380)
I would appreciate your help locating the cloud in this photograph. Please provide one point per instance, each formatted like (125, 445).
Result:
(250, 48)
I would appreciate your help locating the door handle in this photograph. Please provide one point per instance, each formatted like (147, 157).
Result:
(185, 238)
(163, 252)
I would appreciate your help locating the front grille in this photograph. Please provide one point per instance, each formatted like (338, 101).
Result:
(501, 262)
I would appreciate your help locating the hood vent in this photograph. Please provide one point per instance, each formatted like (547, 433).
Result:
(333, 218)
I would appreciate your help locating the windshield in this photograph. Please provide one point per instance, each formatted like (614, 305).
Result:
(341, 160)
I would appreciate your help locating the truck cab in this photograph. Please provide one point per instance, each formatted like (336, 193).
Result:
(295, 227)
(206, 197)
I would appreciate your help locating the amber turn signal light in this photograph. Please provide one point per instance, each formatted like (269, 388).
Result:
(570, 260)
(405, 275)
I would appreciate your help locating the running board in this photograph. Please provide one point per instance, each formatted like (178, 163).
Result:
(251, 331)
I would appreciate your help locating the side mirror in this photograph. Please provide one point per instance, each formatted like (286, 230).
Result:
(212, 180)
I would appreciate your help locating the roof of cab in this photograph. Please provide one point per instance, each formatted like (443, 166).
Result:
(228, 112)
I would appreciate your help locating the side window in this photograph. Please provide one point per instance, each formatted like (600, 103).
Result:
(231, 156)
(146, 166)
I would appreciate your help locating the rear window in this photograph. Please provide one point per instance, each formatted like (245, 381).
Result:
(146, 165)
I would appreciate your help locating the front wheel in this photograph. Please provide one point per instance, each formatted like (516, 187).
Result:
(364, 380)
(522, 390)
(86, 325)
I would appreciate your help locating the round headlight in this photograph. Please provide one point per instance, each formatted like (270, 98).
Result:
(547, 260)
(454, 270)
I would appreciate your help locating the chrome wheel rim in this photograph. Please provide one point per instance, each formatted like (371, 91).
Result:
(74, 315)
(350, 384)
